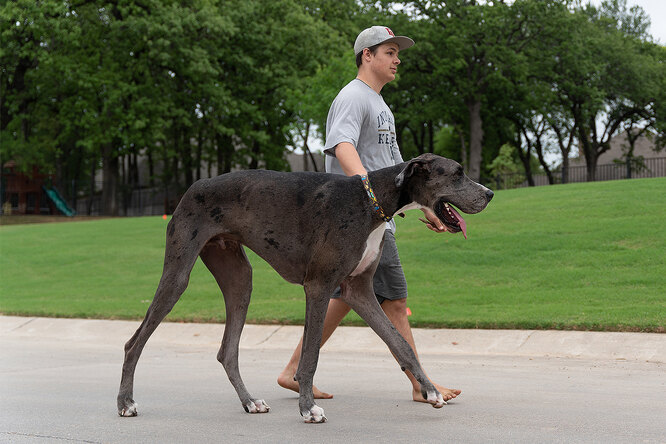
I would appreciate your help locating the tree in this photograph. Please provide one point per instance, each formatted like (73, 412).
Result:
(598, 76)
(86, 83)
(504, 168)
(311, 100)
(565, 134)
(475, 45)
(25, 26)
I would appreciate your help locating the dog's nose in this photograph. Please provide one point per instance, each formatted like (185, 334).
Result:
(489, 195)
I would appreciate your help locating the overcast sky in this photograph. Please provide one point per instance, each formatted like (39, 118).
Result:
(656, 9)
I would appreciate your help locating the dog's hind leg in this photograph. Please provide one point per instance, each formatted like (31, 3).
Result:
(359, 294)
(228, 263)
(180, 255)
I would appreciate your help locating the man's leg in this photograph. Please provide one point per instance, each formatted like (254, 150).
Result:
(337, 310)
(396, 311)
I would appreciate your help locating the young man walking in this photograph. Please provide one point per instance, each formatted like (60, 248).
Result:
(361, 137)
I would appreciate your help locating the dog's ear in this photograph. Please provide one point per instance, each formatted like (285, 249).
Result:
(413, 166)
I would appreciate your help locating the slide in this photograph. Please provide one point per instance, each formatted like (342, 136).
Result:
(59, 202)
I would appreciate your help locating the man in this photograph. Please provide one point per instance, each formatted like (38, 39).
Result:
(360, 137)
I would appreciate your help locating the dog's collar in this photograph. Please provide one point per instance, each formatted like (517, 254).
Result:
(375, 203)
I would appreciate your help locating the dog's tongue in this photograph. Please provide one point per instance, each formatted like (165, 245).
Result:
(461, 221)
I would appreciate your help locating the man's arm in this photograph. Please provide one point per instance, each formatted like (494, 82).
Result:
(349, 159)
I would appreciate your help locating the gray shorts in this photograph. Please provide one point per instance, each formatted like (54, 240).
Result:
(389, 281)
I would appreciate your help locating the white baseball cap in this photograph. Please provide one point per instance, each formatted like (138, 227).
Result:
(380, 34)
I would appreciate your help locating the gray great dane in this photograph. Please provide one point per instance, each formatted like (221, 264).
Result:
(317, 230)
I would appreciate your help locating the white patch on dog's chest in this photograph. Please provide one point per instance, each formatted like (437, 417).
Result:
(371, 250)
(411, 206)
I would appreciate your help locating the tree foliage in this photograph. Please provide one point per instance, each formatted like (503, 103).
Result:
(195, 85)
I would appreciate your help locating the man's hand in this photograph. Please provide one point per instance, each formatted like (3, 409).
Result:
(433, 222)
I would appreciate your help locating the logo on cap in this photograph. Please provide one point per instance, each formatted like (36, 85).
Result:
(390, 32)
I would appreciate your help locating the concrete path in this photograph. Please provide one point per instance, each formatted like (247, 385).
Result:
(59, 380)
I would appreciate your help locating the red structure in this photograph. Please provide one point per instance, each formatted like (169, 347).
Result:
(24, 193)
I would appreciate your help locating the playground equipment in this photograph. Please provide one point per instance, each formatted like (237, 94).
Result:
(58, 201)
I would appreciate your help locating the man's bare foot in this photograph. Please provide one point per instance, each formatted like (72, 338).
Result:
(288, 382)
(447, 394)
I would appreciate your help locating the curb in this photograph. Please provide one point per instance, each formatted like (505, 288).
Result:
(650, 347)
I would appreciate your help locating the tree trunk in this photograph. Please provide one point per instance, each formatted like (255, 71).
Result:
(186, 158)
(629, 158)
(136, 180)
(526, 157)
(591, 163)
(565, 169)
(199, 154)
(464, 161)
(151, 168)
(542, 160)
(632, 137)
(166, 178)
(475, 139)
(431, 137)
(224, 153)
(256, 150)
(418, 143)
(109, 180)
(78, 172)
(306, 151)
(92, 186)
(565, 149)
(125, 168)
(590, 154)
(398, 134)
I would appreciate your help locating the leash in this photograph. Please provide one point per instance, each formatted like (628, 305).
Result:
(375, 203)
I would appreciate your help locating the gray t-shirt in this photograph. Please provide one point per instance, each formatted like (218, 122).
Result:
(360, 116)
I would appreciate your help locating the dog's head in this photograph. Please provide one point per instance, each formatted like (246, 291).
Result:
(439, 183)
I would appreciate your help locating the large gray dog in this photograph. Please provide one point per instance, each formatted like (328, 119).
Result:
(317, 230)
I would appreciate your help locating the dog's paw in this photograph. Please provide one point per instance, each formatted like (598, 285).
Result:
(436, 399)
(314, 416)
(257, 406)
(129, 409)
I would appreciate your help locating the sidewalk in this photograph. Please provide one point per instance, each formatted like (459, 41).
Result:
(649, 347)
(59, 381)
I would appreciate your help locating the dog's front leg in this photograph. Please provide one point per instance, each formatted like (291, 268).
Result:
(359, 294)
(316, 303)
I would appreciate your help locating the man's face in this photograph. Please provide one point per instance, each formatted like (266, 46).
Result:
(384, 64)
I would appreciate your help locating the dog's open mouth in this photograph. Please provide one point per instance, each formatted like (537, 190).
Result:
(451, 218)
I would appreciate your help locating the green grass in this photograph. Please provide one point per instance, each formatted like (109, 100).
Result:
(582, 256)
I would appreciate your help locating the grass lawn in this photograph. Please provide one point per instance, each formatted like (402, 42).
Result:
(583, 256)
